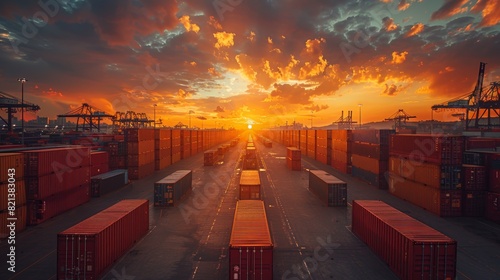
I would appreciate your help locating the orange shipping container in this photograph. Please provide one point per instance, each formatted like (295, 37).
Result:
(440, 202)
(429, 174)
(13, 161)
(250, 184)
(372, 165)
(250, 244)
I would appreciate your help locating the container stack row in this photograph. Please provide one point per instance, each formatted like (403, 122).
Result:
(426, 170)
(56, 180)
(369, 155)
(140, 152)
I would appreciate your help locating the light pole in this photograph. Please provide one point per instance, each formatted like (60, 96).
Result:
(154, 115)
(22, 81)
(360, 105)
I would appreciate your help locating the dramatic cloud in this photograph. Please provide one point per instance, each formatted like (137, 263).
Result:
(268, 61)
(415, 30)
(449, 9)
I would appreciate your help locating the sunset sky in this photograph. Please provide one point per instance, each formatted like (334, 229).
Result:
(234, 62)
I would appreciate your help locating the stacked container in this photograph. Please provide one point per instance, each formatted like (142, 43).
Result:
(322, 146)
(140, 152)
(293, 159)
(341, 150)
(474, 190)
(311, 144)
(210, 157)
(87, 249)
(117, 151)
(331, 190)
(108, 182)
(163, 148)
(185, 143)
(12, 172)
(370, 152)
(411, 249)
(250, 244)
(56, 181)
(303, 141)
(194, 142)
(170, 190)
(249, 184)
(432, 166)
(99, 162)
(176, 145)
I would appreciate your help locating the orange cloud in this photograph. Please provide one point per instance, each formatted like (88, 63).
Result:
(214, 72)
(183, 94)
(287, 71)
(449, 9)
(188, 25)
(314, 46)
(398, 58)
(224, 39)
(415, 29)
(313, 69)
(490, 11)
(251, 37)
(213, 22)
(245, 64)
(389, 24)
(403, 5)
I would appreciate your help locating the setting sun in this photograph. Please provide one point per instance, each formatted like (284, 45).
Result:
(249, 126)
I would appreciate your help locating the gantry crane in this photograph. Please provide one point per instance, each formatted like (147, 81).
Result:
(481, 106)
(400, 118)
(345, 123)
(12, 105)
(87, 117)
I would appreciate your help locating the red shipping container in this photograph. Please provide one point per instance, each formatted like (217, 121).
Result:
(294, 165)
(41, 210)
(293, 153)
(494, 180)
(139, 172)
(473, 203)
(373, 136)
(87, 249)
(250, 245)
(474, 177)
(48, 161)
(472, 143)
(428, 148)
(249, 185)
(444, 203)
(46, 185)
(493, 207)
(370, 150)
(411, 249)
(303, 141)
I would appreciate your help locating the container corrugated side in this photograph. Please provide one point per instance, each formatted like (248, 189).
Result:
(328, 188)
(250, 245)
(170, 190)
(87, 249)
(411, 249)
(20, 213)
(41, 210)
(444, 203)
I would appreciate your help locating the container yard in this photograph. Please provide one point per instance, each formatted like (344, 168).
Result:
(194, 209)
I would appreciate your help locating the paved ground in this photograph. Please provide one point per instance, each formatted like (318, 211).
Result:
(312, 241)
